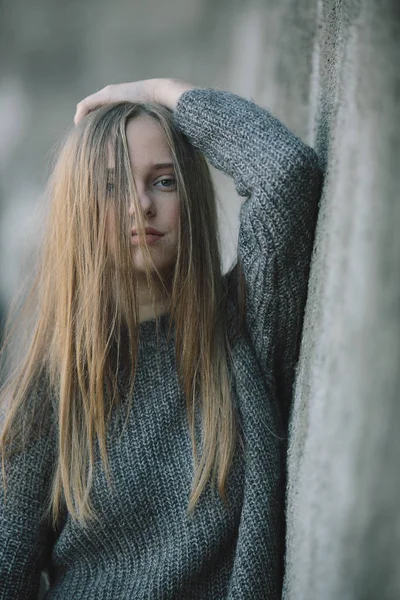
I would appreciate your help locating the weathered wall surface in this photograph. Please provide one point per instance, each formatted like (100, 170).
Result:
(330, 71)
(344, 480)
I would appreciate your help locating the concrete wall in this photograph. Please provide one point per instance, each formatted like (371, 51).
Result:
(330, 71)
(344, 477)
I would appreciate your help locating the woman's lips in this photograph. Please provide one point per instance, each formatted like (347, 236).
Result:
(150, 238)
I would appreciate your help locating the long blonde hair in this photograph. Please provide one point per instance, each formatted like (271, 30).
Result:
(84, 296)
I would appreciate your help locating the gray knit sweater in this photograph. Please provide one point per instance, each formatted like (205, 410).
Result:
(144, 545)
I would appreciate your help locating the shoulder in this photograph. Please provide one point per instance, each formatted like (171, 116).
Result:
(235, 301)
(29, 418)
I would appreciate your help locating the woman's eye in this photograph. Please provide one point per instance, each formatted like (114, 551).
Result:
(167, 182)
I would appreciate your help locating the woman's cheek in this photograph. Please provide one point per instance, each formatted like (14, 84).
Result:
(174, 215)
(110, 229)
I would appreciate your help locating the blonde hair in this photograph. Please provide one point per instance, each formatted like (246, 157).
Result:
(84, 296)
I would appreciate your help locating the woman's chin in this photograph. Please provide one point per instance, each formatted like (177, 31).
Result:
(160, 263)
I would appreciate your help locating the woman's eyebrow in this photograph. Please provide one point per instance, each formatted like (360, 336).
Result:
(165, 165)
(155, 166)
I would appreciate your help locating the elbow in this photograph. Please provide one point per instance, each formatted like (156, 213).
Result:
(309, 164)
(306, 172)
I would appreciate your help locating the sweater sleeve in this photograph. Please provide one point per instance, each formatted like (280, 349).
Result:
(280, 178)
(25, 538)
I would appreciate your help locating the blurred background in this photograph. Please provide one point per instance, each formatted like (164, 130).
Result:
(330, 71)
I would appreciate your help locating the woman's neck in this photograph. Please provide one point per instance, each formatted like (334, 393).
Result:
(147, 308)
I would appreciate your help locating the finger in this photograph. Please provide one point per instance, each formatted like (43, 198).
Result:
(84, 107)
(89, 103)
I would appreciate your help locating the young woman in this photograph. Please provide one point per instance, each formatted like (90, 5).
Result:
(144, 424)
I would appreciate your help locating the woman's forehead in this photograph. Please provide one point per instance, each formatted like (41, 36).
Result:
(147, 145)
(147, 142)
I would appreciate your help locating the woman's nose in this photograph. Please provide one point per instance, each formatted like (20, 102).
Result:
(146, 204)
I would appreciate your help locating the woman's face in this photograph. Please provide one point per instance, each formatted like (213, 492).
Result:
(154, 176)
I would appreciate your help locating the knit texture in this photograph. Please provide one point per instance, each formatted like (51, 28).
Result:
(144, 545)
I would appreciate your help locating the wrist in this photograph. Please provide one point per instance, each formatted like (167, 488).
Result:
(168, 91)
